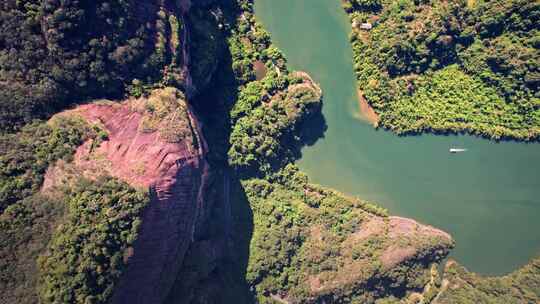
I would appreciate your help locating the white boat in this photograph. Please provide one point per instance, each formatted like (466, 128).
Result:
(456, 150)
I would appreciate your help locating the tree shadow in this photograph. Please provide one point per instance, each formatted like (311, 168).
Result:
(312, 130)
(215, 265)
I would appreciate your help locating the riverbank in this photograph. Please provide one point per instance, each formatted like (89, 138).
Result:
(423, 75)
(486, 198)
(366, 112)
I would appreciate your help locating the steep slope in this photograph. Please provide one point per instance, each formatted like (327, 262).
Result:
(228, 221)
(153, 144)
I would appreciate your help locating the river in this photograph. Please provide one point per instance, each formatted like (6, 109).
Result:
(488, 198)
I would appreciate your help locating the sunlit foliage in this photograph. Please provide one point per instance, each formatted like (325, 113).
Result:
(90, 248)
(450, 66)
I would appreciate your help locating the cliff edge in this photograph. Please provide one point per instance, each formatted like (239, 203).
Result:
(153, 143)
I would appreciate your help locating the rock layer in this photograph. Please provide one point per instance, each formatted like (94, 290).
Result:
(176, 175)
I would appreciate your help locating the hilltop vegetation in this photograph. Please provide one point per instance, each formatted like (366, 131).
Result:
(292, 240)
(70, 51)
(26, 155)
(91, 246)
(81, 259)
(462, 286)
(450, 66)
(312, 244)
(267, 118)
(96, 221)
(27, 218)
(25, 230)
(267, 121)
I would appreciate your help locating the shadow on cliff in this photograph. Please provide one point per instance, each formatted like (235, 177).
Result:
(214, 269)
(220, 276)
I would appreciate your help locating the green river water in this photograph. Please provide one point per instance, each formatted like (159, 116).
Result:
(488, 198)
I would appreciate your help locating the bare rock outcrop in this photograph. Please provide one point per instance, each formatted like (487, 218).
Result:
(156, 144)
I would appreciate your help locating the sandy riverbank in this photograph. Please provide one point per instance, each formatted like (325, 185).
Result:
(366, 112)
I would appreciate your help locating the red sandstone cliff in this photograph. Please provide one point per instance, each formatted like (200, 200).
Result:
(173, 169)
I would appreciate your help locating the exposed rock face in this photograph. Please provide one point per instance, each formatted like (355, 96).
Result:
(382, 257)
(399, 229)
(177, 176)
(332, 247)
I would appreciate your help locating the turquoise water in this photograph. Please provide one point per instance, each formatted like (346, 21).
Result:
(488, 198)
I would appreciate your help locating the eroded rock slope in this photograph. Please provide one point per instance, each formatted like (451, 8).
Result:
(152, 143)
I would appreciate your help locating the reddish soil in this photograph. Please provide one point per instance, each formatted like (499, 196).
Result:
(316, 233)
(141, 159)
(260, 69)
(407, 228)
(373, 226)
(314, 283)
(394, 255)
(400, 226)
(396, 241)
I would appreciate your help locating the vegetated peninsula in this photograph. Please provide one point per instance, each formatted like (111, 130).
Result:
(146, 156)
(450, 66)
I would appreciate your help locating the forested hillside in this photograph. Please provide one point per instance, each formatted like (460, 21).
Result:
(450, 66)
(95, 220)
(461, 286)
(201, 126)
(298, 242)
(54, 53)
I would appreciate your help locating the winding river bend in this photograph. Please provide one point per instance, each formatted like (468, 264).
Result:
(488, 198)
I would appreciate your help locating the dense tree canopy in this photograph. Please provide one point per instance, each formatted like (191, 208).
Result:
(57, 52)
(26, 155)
(25, 231)
(304, 233)
(473, 62)
(90, 248)
(270, 110)
(96, 220)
